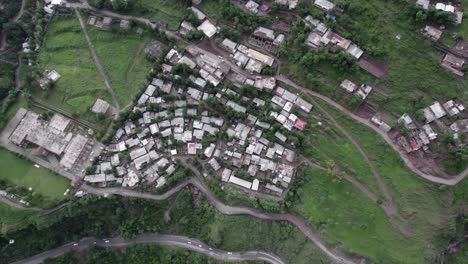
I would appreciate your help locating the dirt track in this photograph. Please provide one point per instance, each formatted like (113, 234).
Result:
(452, 181)
(97, 62)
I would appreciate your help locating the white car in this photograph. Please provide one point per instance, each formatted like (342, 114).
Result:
(75, 244)
(200, 246)
(229, 253)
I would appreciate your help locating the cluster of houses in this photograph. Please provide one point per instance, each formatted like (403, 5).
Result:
(105, 23)
(212, 68)
(266, 39)
(421, 137)
(262, 7)
(352, 89)
(450, 62)
(207, 27)
(172, 123)
(322, 36)
(251, 60)
(55, 136)
(455, 9)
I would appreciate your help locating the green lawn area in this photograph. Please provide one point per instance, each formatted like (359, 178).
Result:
(65, 50)
(11, 217)
(346, 217)
(22, 173)
(124, 61)
(169, 11)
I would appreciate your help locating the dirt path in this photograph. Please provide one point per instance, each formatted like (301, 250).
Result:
(165, 240)
(355, 182)
(20, 12)
(97, 62)
(135, 57)
(224, 209)
(389, 200)
(452, 181)
(3, 35)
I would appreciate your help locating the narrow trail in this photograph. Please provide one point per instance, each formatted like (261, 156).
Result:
(20, 12)
(224, 209)
(390, 204)
(355, 182)
(97, 62)
(164, 240)
(37, 209)
(452, 181)
(389, 211)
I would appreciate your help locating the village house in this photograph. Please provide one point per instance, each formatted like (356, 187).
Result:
(453, 64)
(252, 6)
(324, 4)
(431, 32)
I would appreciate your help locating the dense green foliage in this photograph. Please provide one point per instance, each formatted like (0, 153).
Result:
(184, 214)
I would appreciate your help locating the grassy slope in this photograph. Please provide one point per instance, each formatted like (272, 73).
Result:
(414, 65)
(11, 217)
(345, 215)
(65, 50)
(22, 173)
(325, 143)
(116, 53)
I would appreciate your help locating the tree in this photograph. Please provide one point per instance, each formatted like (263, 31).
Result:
(421, 17)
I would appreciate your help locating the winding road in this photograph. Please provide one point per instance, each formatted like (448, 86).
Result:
(224, 209)
(165, 240)
(452, 181)
(285, 79)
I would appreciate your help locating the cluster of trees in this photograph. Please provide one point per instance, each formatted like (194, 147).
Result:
(298, 52)
(194, 35)
(422, 16)
(239, 19)
(118, 5)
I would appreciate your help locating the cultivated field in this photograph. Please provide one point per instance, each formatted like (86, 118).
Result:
(65, 50)
(124, 61)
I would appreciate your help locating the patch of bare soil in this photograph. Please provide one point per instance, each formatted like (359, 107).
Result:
(375, 68)
(460, 48)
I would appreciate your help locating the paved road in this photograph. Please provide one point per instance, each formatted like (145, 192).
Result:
(452, 181)
(165, 240)
(97, 62)
(224, 209)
